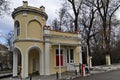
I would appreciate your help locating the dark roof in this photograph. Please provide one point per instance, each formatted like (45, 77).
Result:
(3, 46)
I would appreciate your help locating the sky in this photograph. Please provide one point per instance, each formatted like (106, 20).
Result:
(51, 8)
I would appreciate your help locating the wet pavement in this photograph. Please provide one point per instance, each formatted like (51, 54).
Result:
(110, 75)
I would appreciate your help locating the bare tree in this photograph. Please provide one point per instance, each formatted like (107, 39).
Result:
(106, 10)
(88, 12)
(64, 21)
(4, 7)
(96, 19)
(76, 6)
(9, 42)
(55, 24)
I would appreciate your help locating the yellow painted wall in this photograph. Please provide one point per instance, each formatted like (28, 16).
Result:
(76, 55)
(65, 41)
(67, 34)
(64, 37)
(53, 68)
(34, 30)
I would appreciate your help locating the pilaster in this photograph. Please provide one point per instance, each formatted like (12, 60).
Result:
(15, 62)
(47, 53)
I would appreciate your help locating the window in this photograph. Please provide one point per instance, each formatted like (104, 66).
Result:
(17, 28)
(70, 56)
(57, 58)
(67, 56)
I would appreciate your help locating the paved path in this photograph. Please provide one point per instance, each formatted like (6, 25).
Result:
(110, 75)
(66, 75)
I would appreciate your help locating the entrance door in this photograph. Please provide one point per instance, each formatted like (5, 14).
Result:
(35, 65)
(70, 60)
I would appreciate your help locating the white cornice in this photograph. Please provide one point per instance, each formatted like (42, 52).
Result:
(28, 40)
(61, 37)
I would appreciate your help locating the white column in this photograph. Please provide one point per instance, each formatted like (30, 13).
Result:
(79, 47)
(24, 71)
(15, 62)
(41, 64)
(80, 54)
(59, 61)
(26, 65)
(47, 52)
(47, 59)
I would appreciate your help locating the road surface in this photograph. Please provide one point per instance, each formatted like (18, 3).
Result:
(111, 75)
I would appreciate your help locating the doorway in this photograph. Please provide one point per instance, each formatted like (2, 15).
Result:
(34, 61)
(70, 59)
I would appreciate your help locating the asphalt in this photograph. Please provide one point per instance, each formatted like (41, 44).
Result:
(111, 75)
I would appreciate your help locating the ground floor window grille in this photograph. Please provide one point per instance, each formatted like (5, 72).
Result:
(57, 58)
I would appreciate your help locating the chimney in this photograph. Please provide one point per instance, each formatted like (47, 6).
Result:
(25, 3)
(42, 8)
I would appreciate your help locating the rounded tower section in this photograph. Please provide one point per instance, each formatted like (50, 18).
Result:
(29, 22)
(28, 31)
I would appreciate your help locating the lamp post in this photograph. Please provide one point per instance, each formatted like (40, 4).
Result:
(88, 58)
(59, 62)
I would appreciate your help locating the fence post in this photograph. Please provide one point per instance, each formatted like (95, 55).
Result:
(30, 77)
(80, 68)
(57, 75)
(76, 72)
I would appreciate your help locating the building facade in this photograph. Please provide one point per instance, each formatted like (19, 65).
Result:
(41, 49)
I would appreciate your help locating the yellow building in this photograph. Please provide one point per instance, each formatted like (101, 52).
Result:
(41, 49)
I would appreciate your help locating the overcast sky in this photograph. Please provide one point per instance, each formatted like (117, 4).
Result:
(52, 7)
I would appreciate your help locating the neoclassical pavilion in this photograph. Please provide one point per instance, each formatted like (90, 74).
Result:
(37, 48)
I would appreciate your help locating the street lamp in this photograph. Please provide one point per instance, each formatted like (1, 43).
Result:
(59, 61)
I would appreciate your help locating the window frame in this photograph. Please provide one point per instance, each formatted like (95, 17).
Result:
(68, 56)
(64, 59)
(17, 28)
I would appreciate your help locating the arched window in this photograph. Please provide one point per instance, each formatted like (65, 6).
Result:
(17, 28)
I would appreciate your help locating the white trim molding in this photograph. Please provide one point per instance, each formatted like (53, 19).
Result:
(15, 30)
(80, 54)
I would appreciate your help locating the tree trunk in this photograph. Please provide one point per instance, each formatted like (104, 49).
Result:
(106, 43)
(89, 56)
(76, 22)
